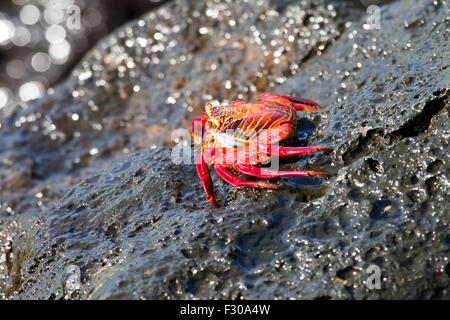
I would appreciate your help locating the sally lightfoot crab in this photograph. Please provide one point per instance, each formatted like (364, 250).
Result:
(244, 134)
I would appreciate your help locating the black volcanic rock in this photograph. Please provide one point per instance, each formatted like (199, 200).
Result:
(90, 184)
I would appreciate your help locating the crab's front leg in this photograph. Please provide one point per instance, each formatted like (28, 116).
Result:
(196, 133)
(203, 173)
(201, 166)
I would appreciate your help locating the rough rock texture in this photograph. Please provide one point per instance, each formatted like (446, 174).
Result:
(138, 225)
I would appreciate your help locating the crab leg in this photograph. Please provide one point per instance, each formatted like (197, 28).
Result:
(197, 134)
(236, 182)
(227, 156)
(199, 121)
(303, 104)
(196, 121)
(298, 103)
(268, 174)
(289, 151)
(203, 173)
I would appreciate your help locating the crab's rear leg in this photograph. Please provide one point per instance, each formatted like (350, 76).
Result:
(303, 104)
(298, 103)
(237, 182)
(203, 173)
(268, 174)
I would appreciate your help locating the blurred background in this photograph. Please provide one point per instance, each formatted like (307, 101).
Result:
(41, 40)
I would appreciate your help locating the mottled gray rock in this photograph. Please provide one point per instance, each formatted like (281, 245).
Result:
(139, 226)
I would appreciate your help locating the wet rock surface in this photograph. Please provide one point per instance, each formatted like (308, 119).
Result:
(88, 181)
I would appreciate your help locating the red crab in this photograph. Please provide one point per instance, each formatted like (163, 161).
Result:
(244, 134)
